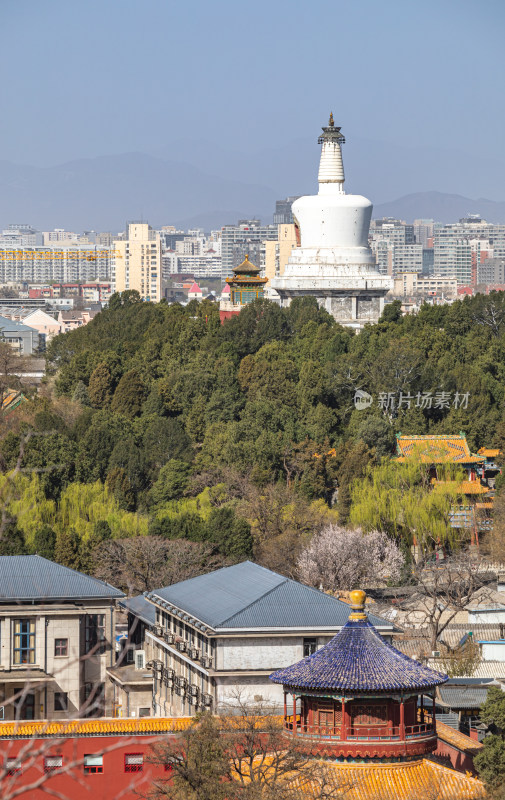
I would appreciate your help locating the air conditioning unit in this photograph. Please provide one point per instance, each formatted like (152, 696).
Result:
(193, 690)
(181, 682)
(158, 630)
(181, 646)
(168, 677)
(169, 638)
(207, 699)
(206, 662)
(194, 653)
(140, 659)
(435, 653)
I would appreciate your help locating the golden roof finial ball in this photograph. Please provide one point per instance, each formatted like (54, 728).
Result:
(358, 600)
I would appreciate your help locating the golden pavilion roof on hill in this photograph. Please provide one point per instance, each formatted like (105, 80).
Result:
(437, 449)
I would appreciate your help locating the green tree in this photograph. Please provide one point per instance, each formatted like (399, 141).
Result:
(119, 485)
(81, 394)
(231, 534)
(44, 542)
(129, 395)
(101, 386)
(490, 761)
(67, 549)
(172, 482)
(12, 540)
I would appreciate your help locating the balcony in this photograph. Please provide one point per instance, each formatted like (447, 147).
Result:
(363, 740)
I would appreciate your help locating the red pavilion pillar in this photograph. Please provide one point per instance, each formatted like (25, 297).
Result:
(343, 729)
(294, 714)
(402, 720)
(433, 721)
(285, 710)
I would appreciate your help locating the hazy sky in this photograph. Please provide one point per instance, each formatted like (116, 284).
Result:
(85, 78)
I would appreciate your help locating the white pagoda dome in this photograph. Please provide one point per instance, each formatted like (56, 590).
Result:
(334, 262)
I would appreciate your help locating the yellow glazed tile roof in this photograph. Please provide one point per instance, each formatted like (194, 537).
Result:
(437, 449)
(465, 487)
(457, 739)
(94, 727)
(488, 452)
(414, 780)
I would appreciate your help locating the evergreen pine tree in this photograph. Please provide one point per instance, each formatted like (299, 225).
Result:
(44, 541)
(100, 388)
(129, 395)
(81, 394)
(67, 549)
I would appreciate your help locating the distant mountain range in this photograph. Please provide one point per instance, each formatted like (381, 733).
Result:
(441, 207)
(202, 184)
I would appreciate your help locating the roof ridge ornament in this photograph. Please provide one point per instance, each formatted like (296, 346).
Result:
(358, 600)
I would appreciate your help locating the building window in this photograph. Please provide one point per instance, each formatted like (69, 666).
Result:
(60, 701)
(95, 633)
(309, 647)
(93, 764)
(61, 647)
(52, 762)
(145, 712)
(133, 762)
(12, 765)
(24, 641)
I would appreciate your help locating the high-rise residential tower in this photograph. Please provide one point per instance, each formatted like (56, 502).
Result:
(334, 263)
(137, 262)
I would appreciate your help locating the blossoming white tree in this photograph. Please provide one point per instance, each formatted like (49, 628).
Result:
(344, 558)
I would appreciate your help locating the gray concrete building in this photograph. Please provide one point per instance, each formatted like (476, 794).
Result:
(57, 632)
(225, 632)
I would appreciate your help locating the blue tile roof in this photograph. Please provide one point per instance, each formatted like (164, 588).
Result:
(35, 578)
(249, 596)
(358, 659)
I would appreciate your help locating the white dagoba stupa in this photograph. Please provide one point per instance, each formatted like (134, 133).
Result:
(334, 263)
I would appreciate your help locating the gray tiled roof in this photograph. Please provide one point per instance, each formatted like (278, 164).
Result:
(141, 607)
(36, 578)
(249, 596)
(13, 325)
(463, 696)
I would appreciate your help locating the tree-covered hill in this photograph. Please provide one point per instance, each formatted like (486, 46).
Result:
(237, 434)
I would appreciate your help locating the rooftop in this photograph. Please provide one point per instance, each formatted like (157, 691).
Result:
(141, 607)
(36, 578)
(358, 659)
(437, 449)
(249, 596)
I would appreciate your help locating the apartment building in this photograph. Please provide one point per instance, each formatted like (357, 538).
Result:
(137, 262)
(410, 284)
(277, 252)
(245, 238)
(491, 271)
(57, 632)
(225, 632)
(459, 248)
(393, 243)
(73, 262)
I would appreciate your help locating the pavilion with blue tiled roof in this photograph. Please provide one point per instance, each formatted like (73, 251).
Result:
(357, 697)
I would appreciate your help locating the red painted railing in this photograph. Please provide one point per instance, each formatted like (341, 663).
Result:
(382, 733)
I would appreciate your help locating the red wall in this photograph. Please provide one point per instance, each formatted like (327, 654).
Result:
(113, 782)
(461, 761)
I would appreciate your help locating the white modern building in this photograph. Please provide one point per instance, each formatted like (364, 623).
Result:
(225, 632)
(334, 263)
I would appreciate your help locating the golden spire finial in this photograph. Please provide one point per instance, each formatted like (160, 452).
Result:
(358, 600)
(331, 123)
(246, 257)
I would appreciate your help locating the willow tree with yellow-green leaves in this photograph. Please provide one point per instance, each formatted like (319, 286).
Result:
(401, 499)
